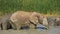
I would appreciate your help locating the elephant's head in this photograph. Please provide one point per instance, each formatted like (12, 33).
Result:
(43, 19)
(36, 18)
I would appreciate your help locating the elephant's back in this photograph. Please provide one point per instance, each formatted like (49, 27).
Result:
(20, 16)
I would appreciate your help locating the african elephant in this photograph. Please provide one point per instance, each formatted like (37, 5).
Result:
(4, 22)
(22, 18)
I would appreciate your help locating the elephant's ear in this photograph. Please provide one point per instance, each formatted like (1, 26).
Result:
(33, 19)
(40, 18)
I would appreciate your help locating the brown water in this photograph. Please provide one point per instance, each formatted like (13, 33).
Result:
(54, 30)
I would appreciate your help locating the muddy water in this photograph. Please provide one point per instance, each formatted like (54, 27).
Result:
(52, 30)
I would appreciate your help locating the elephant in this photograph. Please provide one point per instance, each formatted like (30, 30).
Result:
(4, 22)
(21, 19)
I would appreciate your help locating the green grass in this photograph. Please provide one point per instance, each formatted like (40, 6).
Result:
(42, 6)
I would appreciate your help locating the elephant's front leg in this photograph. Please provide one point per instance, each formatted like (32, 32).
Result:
(32, 26)
(13, 25)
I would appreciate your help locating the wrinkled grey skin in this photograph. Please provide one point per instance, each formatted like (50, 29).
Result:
(23, 19)
(4, 22)
(20, 19)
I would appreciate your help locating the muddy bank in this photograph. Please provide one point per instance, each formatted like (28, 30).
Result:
(53, 30)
